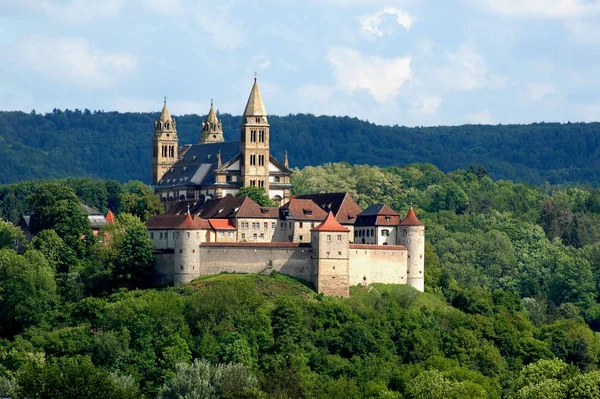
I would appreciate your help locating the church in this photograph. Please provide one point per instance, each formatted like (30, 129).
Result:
(214, 168)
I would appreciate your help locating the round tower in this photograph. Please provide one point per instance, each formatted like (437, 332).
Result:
(411, 234)
(186, 259)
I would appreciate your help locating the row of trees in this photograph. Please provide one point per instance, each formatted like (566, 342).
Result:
(112, 145)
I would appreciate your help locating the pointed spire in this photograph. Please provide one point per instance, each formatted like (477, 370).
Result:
(255, 105)
(212, 116)
(110, 217)
(188, 223)
(165, 116)
(188, 208)
(219, 163)
(411, 219)
(285, 161)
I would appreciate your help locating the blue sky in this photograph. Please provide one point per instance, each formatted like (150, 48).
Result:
(405, 62)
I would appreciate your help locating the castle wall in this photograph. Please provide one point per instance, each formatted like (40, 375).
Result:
(378, 264)
(287, 258)
(163, 264)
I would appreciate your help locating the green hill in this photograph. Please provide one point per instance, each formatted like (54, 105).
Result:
(118, 145)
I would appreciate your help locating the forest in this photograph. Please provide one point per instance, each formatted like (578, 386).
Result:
(113, 145)
(510, 310)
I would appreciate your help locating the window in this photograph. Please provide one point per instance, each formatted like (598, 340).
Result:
(243, 236)
(254, 236)
(152, 236)
(300, 237)
(261, 136)
(385, 233)
(405, 232)
(197, 236)
(367, 233)
(281, 225)
(261, 160)
(177, 235)
(266, 224)
(339, 253)
(173, 235)
(388, 219)
(227, 178)
(257, 120)
(328, 237)
(230, 234)
(253, 136)
(253, 182)
(277, 179)
(221, 234)
(372, 232)
(161, 235)
(262, 236)
(252, 159)
(339, 238)
(187, 235)
(301, 225)
(261, 183)
(273, 225)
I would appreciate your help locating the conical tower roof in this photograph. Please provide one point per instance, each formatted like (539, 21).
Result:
(255, 105)
(212, 115)
(188, 223)
(411, 219)
(165, 116)
(330, 224)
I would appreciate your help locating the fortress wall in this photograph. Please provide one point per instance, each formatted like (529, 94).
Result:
(163, 267)
(377, 264)
(290, 259)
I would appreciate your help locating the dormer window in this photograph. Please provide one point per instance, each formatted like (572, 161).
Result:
(388, 219)
(307, 212)
(350, 217)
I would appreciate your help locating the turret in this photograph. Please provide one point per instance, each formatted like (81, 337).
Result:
(411, 234)
(164, 144)
(212, 129)
(330, 257)
(186, 259)
(254, 141)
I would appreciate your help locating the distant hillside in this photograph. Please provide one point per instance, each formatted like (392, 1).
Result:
(117, 145)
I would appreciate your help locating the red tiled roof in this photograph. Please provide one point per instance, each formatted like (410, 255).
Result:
(305, 209)
(188, 224)
(250, 209)
(343, 206)
(330, 224)
(164, 222)
(411, 219)
(110, 217)
(221, 224)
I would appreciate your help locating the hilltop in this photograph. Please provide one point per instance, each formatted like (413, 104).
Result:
(118, 145)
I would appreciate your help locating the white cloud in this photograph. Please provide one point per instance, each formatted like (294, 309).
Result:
(381, 77)
(164, 7)
(260, 62)
(543, 8)
(427, 105)
(226, 34)
(73, 61)
(483, 117)
(372, 25)
(537, 91)
(467, 69)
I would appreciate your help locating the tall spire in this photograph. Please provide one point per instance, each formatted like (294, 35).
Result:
(212, 129)
(255, 105)
(165, 116)
(285, 161)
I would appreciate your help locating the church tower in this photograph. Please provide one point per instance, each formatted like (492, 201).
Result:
(254, 141)
(212, 129)
(164, 144)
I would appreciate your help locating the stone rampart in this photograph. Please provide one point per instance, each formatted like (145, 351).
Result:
(377, 264)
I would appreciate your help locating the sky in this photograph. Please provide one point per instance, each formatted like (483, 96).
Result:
(394, 62)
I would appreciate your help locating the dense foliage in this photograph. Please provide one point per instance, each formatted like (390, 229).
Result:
(112, 145)
(511, 307)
